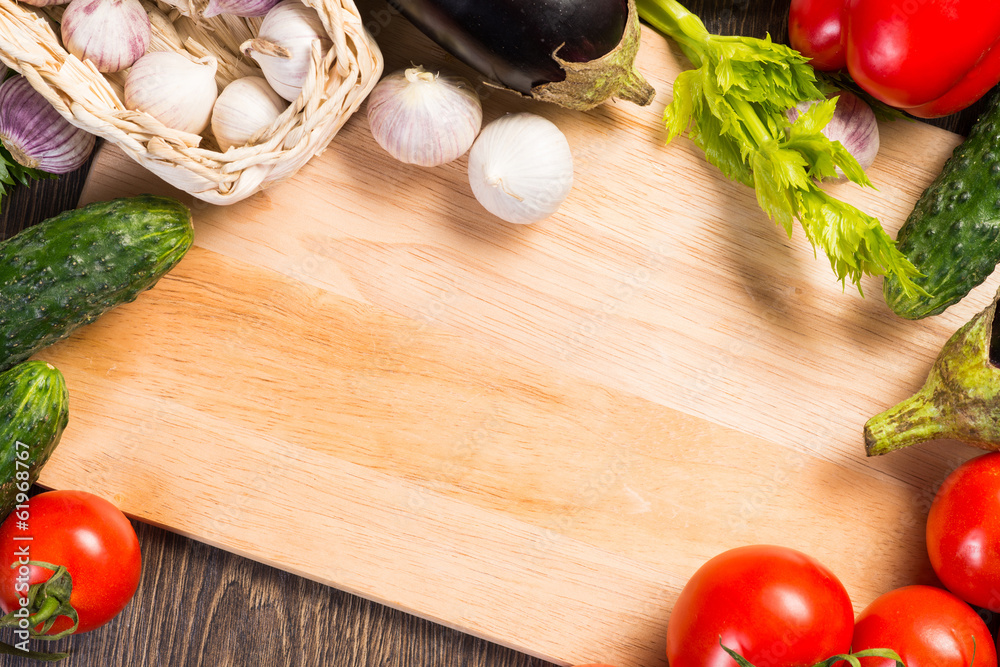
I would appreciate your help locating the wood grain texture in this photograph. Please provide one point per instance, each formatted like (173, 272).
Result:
(198, 605)
(373, 639)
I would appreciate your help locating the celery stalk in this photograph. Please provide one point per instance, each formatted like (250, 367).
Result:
(733, 105)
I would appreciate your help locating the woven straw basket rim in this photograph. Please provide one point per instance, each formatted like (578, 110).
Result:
(339, 81)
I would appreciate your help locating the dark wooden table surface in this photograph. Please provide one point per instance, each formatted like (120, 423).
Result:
(197, 605)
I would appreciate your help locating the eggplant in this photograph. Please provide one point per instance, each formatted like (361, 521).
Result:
(575, 53)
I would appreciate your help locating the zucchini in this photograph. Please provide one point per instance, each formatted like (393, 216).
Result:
(952, 235)
(69, 270)
(34, 410)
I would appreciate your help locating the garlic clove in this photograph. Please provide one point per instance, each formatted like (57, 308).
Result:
(244, 8)
(424, 118)
(521, 168)
(36, 135)
(175, 90)
(244, 108)
(44, 3)
(164, 35)
(112, 34)
(853, 124)
(283, 46)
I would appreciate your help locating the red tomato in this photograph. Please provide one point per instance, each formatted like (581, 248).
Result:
(775, 606)
(815, 29)
(927, 627)
(963, 532)
(86, 534)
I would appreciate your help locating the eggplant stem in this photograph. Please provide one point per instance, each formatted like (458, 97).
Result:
(635, 89)
(613, 75)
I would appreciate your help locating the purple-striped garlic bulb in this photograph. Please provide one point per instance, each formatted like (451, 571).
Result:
(423, 118)
(36, 135)
(112, 34)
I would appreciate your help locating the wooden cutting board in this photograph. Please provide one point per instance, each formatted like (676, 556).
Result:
(533, 434)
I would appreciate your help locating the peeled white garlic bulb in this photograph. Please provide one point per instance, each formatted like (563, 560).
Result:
(424, 118)
(521, 168)
(283, 47)
(245, 107)
(173, 89)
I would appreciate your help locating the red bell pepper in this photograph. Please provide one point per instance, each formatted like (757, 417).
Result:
(930, 58)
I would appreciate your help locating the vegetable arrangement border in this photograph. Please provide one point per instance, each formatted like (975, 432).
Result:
(337, 84)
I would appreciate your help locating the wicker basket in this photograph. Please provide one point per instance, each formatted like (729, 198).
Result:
(337, 85)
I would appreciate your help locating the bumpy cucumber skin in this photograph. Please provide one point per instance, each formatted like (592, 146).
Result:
(953, 234)
(34, 411)
(69, 270)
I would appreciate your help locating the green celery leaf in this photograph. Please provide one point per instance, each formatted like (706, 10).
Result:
(733, 105)
(700, 111)
(13, 173)
(833, 82)
(806, 136)
(772, 195)
(680, 111)
(814, 119)
(854, 242)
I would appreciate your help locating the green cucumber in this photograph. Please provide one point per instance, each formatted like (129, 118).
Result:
(34, 410)
(69, 270)
(952, 235)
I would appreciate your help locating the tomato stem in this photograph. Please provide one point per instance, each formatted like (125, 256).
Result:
(49, 607)
(47, 601)
(851, 658)
(7, 649)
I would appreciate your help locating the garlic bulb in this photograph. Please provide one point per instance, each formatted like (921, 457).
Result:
(853, 124)
(173, 89)
(283, 46)
(245, 107)
(521, 168)
(44, 3)
(36, 135)
(423, 118)
(164, 35)
(238, 7)
(112, 34)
